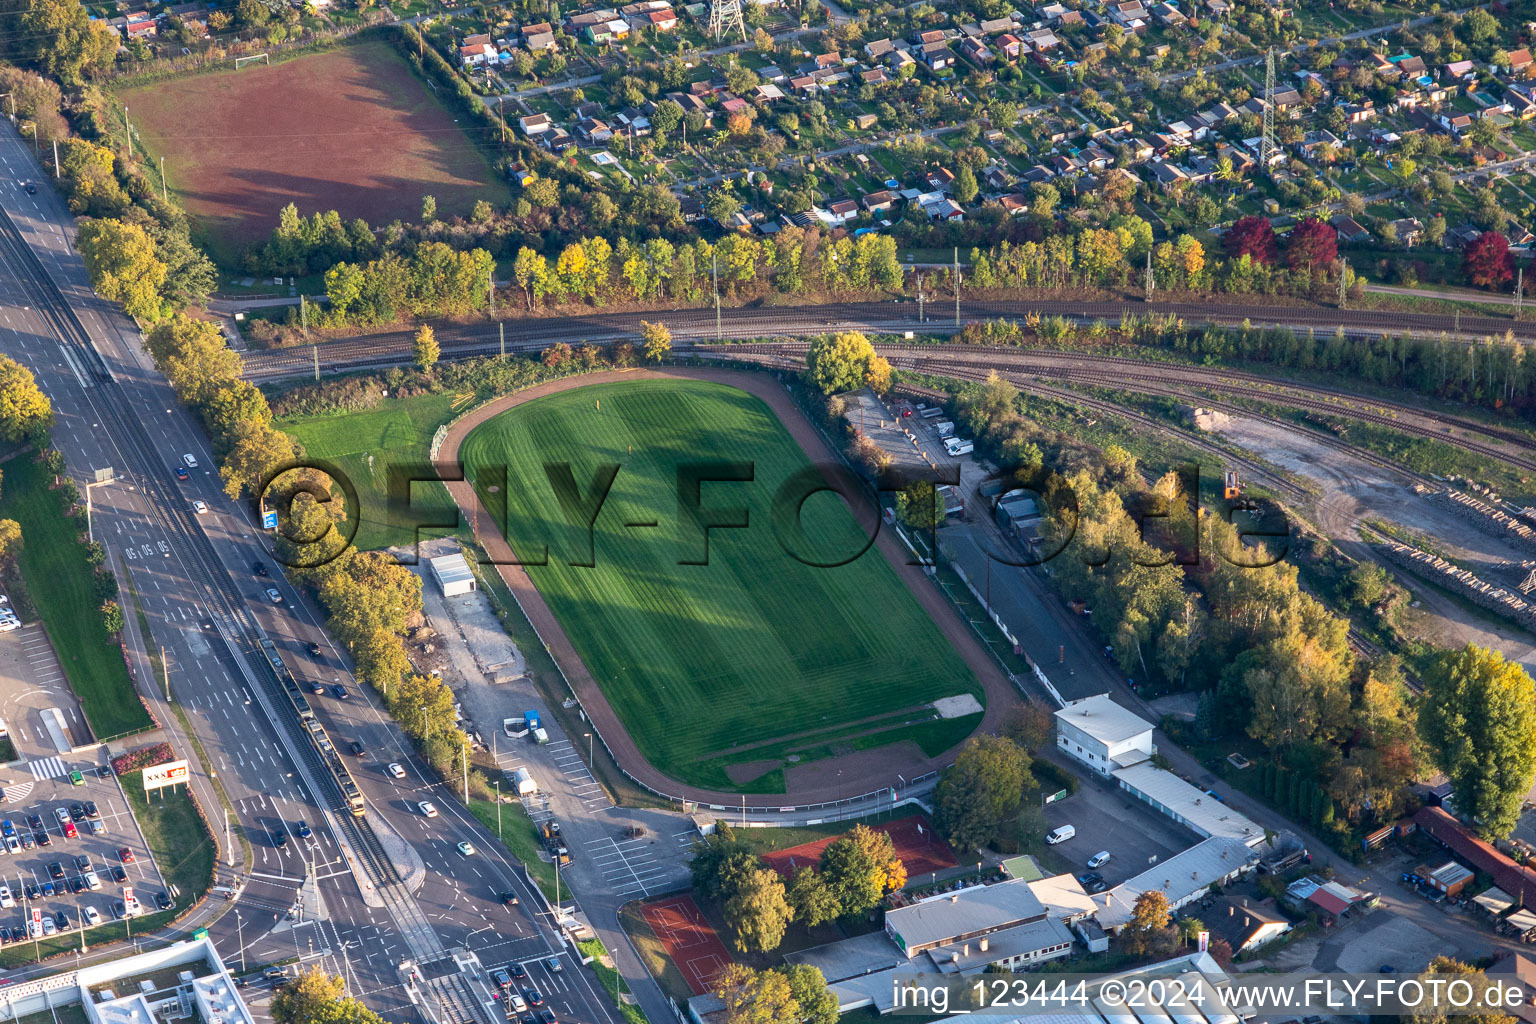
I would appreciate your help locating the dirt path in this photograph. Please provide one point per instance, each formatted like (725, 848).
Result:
(818, 782)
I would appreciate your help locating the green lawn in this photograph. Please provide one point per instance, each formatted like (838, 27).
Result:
(363, 444)
(754, 649)
(59, 582)
(521, 839)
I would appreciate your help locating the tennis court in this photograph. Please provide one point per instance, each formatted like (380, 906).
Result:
(690, 941)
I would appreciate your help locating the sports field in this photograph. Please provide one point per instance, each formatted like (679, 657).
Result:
(351, 129)
(725, 673)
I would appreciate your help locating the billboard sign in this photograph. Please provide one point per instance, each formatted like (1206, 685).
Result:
(166, 775)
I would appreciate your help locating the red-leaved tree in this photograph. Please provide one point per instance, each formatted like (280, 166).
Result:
(1253, 237)
(1486, 260)
(1311, 244)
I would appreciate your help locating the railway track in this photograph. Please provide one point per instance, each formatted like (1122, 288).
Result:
(393, 348)
(137, 456)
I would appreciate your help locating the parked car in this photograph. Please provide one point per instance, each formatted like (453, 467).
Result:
(92, 915)
(1099, 859)
(163, 901)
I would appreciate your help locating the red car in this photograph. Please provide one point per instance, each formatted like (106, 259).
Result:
(125, 855)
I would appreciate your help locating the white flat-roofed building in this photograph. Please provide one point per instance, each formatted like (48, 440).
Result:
(965, 915)
(1063, 898)
(1190, 806)
(1103, 735)
(453, 575)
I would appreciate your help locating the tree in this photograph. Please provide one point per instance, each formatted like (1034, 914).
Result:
(531, 272)
(1311, 244)
(966, 187)
(920, 505)
(428, 209)
(1149, 931)
(980, 790)
(1442, 966)
(424, 347)
(10, 540)
(839, 362)
(256, 451)
(301, 1000)
(25, 412)
(812, 900)
(655, 341)
(1253, 236)
(1478, 718)
(758, 912)
(1030, 723)
(62, 39)
(1486, 260)
(860, 867)
(123, 266)
(809, 987)
(753, 997)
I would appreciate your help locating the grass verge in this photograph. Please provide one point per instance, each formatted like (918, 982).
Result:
(55, 562)
(521, 840)
(612, 981)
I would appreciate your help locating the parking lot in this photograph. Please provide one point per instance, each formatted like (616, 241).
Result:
(1110, 819)
(37, 854)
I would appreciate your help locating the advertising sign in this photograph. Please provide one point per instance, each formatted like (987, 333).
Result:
(165, 775)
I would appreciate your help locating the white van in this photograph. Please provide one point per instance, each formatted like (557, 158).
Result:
(1061, 835)
(959, 446)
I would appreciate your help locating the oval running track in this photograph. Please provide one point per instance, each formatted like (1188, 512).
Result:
(857, 773)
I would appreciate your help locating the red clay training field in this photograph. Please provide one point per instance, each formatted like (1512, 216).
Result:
(691, 942)
(921, 852)
(351, 129)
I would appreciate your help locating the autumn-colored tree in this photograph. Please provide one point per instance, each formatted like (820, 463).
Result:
(655, 341)
(758, 911)
(860, 867)
(25, 412)
(756, 997)
(981, 790)
(10, 540)
(1486, 260)
(1150, 931)
(123, 265)
(424, 347)
(1311, 245)
(1253, 236)
(1443, 967)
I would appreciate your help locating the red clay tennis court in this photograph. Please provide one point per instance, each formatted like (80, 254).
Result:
(690, 941)
(920, 850)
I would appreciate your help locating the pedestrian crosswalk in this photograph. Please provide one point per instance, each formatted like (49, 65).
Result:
(48, 768)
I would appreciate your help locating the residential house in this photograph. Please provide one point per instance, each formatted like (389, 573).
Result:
(1519, 62)
(1520, 104)
(1349, 229)
(1063, 165)
(805, 85)
(1037, 175)
(535, 124)
(1080, 18)
(1461, 69)
(140, 26)
(556, 140)
(768, 92)
(1454, 122)
(878, 49)
(941, 179)
(1169, 15)
(1218, 8)
(879, 202)
(875, 76)
(931, 36)
(900, 58)
(1128, 14)
(1286, 100)
(1409, 230)
(997, 26)
(1358, 113)
(1051, 11)
(539, 28)
(1412, 67)
(1094, 158)
(632, 122)
(662, 21)
(1016, 203)
(1008, 45)
(841, 211)
(578, 22)
(541, 42)
(477, 54)
(975, 51)
(593, 132)
(996, 178)
(1167, 175)
(734, 105)
(938, 56)
(1042, 39)
(944, 209)
(1317, 145)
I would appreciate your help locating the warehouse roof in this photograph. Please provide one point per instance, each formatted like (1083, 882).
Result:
(450, 569)
(974, 911)
(1179, 877)
(1199, 810)
(1103, 719)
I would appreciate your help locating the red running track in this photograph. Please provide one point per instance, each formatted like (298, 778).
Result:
(920, 850)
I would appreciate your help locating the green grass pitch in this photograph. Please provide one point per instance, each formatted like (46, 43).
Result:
(747, 661)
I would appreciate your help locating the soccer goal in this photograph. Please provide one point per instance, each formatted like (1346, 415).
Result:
(241, 62)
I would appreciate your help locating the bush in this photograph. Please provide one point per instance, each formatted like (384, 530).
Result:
(1053, 777)
(144, 757)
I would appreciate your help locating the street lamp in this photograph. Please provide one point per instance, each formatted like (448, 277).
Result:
(240, 938)
(498, 808)
(589, 753)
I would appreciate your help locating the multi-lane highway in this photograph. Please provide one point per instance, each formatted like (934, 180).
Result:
(195, 582)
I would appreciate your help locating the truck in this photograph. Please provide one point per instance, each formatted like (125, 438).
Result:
(523, 782)
(540, 736)
(945, 428)
(554, 843)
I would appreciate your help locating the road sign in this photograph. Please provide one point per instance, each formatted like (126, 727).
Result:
(171, 774)
(105, 475)
(1205, 940)
(269, 519)
(1060, 794)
